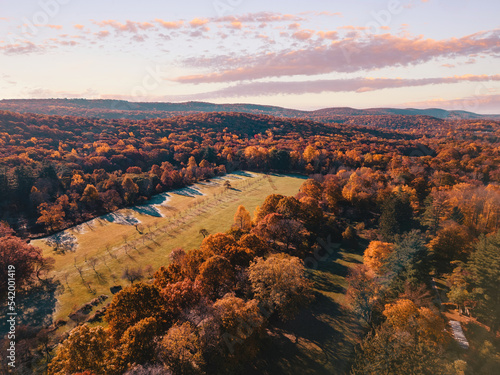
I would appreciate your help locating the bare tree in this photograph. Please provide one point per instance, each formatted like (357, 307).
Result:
(80, 270)
(108, 250)
(133, 274)
(93, 262)
(44, 266)
(149, 270)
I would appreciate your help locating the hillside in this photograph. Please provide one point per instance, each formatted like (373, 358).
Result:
(123, 109)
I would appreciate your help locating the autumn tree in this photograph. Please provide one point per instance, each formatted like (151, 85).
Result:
(332, 192)
(111, 200)
(51, 216)
(170, 274)
(286, 235)
(217, 244)
(181, 351)
(376, 254)
(130, 189)
(242, 218)
(385, 351)
(180, 296)
(216, 277)
(131, 305)
(452, 242)
(24, 258)
(268, 207)
(137, 345)
(90, 195)
(405, 315)
(363, 294)
(241, 323)
(312, 188)
(86, 349)
(254, 245)
(280, 283)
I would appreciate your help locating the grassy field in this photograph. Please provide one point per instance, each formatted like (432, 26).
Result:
(113, 247)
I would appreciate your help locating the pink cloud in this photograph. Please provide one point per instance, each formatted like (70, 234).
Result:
(21, 48)
(55, 27)
(169, 25)
(197, 22)
(332, 35)
(358, 85)
(236, 25)
(260, 17)
(348, 55)
(128, 26)
(102, 34)
(79, 27)
(482, 103)
(303, 34)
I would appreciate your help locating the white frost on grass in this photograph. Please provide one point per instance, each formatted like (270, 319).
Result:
(121, 217)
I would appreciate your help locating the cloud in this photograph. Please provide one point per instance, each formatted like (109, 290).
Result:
(102, 34)
(235, 25)
(79, 27)
(324, 13)
(474, 103)
(358, 85)
(332, 35)
(20, 48)
(260, 17)
(128, 26)
(55, 27)
(41, 93)
(303, 34)
(197, 22)
(347, 55)
(169, 25)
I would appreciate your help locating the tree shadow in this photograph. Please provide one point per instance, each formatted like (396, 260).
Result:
(35, 306)
(316, 342)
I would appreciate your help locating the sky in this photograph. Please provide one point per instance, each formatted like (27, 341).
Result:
(296, 54)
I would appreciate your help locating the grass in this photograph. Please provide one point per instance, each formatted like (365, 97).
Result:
(117, 246)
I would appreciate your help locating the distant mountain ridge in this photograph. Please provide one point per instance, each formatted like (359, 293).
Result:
(109, 108)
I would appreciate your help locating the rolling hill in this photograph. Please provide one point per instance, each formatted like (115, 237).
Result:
(123, 109)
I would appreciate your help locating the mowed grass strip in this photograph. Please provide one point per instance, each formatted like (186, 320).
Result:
(118, 246)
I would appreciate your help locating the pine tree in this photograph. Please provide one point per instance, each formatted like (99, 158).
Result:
(485, 266)
(396, 217)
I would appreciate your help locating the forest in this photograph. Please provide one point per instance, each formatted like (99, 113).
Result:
(416, 197)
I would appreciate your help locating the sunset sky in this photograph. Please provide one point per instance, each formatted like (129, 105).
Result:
(297, 54)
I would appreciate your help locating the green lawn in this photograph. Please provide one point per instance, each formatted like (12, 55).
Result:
(117, 246)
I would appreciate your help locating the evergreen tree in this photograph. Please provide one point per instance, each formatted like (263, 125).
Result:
(409, 262)
(485, 266)
(396, 217)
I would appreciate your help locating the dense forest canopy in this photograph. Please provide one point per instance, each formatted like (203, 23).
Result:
(62, 162)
